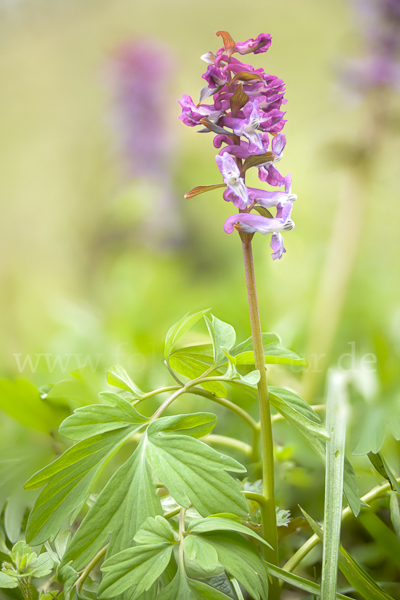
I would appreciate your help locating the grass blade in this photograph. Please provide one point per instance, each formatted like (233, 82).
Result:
(336, 410)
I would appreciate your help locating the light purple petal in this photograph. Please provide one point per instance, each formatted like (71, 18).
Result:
(277, 245)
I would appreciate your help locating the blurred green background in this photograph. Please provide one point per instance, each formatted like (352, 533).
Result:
(81, 277)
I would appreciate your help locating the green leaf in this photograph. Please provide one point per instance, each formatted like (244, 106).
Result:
(195, 425)
(68, 482)
(135, 569)
(216, 523)
(371, 431)
(118, 377)
(395, 513)
(242, 561)
(21, 400)
(354, 573)
(183, 588)
(201, 558)
(247, 345)
(223, 336)
(190, 365)
(99, 418)
(299, 582)
(128, 499)
(193, 472)
(385, 538)
(156, 530)
(336, 418)
(179, 329)
(8, 582)
(381, 466)
(294, 409)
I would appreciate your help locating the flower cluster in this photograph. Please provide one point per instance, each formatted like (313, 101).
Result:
(247, 119)
(380, 68)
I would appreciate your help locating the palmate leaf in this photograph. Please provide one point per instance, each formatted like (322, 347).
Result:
(192, 471)
(121, 508)
(69, 477)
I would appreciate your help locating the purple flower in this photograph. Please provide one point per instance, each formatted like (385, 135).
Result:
(252, 223)
(245, 114)
(259, 45)
(192, 114)
(214, 77)
(140, 74)
(231, 176)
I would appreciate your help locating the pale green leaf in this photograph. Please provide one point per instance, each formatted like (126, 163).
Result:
(8, 582)
(195, 425)
(293, 408)
(194, 473)
(68, 482)
(21, 400)
(135, 569)
(247, 345)
(156, 530)
(201, 558)
(99, 418)
(395, 514)
(183, 588)
(383, 469)
(223, 336)
(242, 561)
(192, 367)
(179, 329)
(118, 377)
(120, 510)
(217, 523)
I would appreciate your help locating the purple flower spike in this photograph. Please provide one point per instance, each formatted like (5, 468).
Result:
(231, 176)
(259, 45)
(245, 114)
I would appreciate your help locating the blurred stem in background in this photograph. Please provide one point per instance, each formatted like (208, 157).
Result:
(373, 78)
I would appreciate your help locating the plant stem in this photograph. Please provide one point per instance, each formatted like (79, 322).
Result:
(268, 512)
(86, 572)
(302, 552)
(223, 440)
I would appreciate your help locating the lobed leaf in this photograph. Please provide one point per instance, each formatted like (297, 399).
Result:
(135, 569)
(179, 329)
(68, 482)
(99, 418)
(118, 377)
(128, 499)
(194, 472)
(223, 336)
(183, 588)
(216, 523)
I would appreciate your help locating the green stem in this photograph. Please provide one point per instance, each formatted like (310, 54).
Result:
(222, 401)
(302, 552)
(170, 388)
(86, 572)
(223, 440)
(268, 514)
